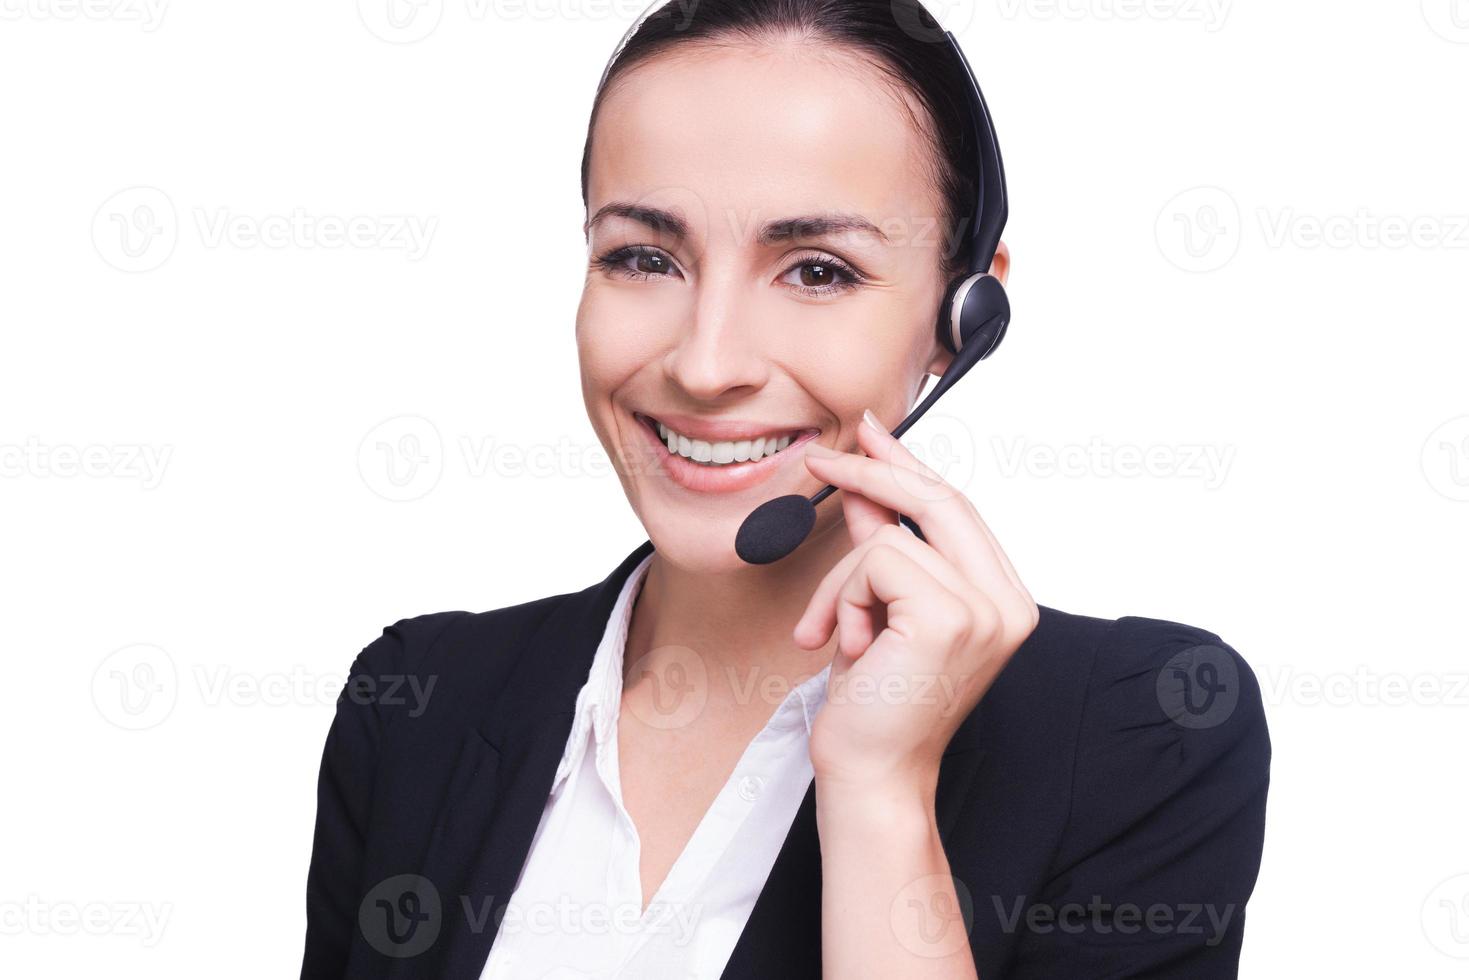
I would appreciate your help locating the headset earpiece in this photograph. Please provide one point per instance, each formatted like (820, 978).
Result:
(975, 310)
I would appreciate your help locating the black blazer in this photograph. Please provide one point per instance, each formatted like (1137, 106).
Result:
(1103, 807)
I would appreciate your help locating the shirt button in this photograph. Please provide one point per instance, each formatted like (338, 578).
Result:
(750, 788)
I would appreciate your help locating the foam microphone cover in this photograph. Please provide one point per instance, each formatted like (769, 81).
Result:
(775, 529)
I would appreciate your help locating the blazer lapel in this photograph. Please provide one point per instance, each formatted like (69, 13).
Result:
(503, 776)
(782, 937)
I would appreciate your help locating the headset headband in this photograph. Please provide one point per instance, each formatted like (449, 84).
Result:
(651, 9)
(992, 201)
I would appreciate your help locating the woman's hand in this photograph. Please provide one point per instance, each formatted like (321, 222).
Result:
(923, 628)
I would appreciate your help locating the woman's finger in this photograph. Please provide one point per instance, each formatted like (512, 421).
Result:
(916, 606)
(865, 517)
(879, 443)
(821, 615)
(947, 519)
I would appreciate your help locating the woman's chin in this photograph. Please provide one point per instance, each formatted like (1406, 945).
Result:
(703, 543)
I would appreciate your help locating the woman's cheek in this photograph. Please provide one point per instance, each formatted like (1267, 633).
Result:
(623, 326)
(872, 372)
(609, 345)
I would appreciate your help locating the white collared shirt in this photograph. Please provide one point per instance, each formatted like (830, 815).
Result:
(576, 912)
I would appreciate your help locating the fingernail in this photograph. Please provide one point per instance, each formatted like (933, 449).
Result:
(871, 420)
(821, 452)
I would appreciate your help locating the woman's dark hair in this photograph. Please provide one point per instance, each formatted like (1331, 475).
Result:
(901, 38)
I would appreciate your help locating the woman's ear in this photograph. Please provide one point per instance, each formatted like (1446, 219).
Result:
(1000, 269)
(936, 367)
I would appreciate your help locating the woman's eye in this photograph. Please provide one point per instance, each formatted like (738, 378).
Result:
(637, 262)
(814, 276)
(821, 276)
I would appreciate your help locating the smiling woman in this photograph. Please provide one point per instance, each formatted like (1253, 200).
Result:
(795, 243)
(876, 756)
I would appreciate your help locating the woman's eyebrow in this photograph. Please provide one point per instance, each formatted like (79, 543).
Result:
(773, 232)
(659, 219)
(816, 226)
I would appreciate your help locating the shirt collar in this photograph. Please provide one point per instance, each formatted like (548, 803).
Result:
(801, 703)
(598, 701)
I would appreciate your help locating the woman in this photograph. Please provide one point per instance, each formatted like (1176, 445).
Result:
(875, 757)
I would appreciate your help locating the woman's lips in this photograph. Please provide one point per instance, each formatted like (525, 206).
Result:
(719, 478)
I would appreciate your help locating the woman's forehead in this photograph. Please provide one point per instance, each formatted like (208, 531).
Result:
(733, 136)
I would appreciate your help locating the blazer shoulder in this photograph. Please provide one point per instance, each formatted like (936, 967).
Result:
(1166, 786)
(1135, 668)
(1148, 671)
(1172, 726)
(1133, 702)
(452, 650)
(415, 641)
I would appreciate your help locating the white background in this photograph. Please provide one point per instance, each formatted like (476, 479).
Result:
(1275, 321)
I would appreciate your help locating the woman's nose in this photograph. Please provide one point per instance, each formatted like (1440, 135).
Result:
(717, 350)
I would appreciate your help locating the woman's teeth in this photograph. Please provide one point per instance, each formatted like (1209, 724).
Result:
(720, 453)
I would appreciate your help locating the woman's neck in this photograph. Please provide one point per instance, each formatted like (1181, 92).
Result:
(739, 622)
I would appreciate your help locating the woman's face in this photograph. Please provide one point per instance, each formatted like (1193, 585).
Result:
(765, 251)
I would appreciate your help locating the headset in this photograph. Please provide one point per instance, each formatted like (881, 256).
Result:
(972, 318)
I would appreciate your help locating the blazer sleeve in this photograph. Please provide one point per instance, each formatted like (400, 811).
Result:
(1163, 842)
(345, 790)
